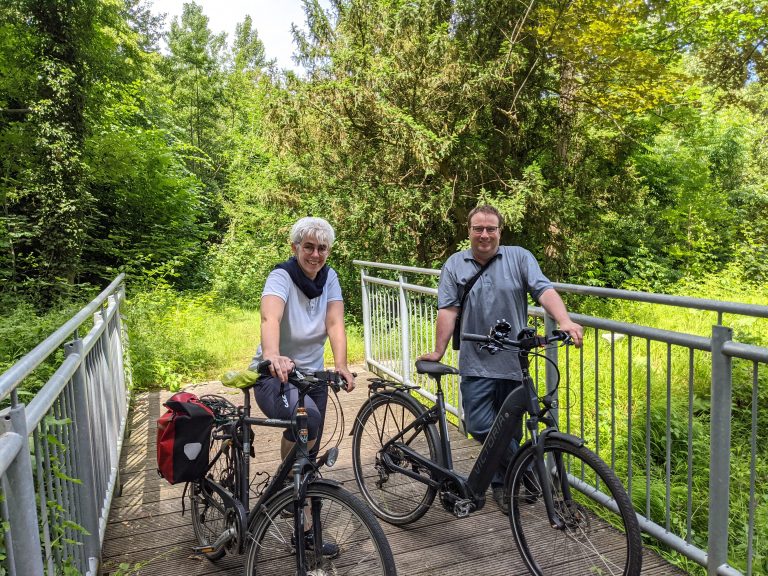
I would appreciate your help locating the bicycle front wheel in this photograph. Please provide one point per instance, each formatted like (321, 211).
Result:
(394, 497)
(600, 535)
(209, 514)
(353, 543)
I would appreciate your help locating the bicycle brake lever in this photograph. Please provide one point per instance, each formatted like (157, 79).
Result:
(492, 348)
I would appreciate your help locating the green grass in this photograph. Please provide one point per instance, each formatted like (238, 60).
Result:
(179, 338)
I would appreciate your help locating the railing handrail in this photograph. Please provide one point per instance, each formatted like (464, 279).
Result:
(27, 364)
(393, 309)
(721, 306)
(396, 267)
(72, 430)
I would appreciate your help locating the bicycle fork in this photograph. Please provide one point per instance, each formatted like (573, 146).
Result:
(547, 479)
(302, 475)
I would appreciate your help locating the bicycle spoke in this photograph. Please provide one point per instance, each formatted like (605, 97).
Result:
(352, 542)
(594, 537)
(395, 497)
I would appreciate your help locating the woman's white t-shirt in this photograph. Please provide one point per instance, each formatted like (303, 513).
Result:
(302, 328)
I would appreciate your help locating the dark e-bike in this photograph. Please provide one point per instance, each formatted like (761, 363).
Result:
(569, 512)
(301, 524)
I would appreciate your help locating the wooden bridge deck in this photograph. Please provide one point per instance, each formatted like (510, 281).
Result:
(147, 534)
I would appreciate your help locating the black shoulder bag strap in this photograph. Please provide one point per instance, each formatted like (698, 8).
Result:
(467, 287)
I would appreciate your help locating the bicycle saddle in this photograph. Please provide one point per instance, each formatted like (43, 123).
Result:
(434, 368)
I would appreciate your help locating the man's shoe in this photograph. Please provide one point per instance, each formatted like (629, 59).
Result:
(498, 495)
(330, 549)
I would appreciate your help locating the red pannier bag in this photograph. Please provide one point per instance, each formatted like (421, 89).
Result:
(184, 438)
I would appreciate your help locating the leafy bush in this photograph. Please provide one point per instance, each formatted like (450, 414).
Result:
(24, 326)
(177, 338)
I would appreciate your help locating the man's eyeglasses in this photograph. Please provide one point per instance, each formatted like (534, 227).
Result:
(489, 229)
(309, 249)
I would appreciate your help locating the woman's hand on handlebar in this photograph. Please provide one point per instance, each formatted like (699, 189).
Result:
(280, 366)
(348, 377)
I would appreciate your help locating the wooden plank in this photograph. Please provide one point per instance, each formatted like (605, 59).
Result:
(147, 531)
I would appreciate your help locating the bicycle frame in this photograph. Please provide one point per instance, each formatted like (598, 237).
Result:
(301, 467)
(521, 400)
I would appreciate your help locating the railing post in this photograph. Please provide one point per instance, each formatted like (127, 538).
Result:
(125, 346)
(550, 370)
(19, 488)
(108, 390)
(719, 451)
(405, 332)
(366, 318)
(84, 455)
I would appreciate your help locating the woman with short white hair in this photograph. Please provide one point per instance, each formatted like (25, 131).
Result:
(301, 307)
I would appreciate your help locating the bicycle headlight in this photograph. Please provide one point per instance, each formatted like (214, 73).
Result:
(331, 456)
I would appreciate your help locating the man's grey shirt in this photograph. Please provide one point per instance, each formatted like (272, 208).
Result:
(499, 294)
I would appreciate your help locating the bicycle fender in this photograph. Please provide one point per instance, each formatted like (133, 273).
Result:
(327, 482)
(565, 437)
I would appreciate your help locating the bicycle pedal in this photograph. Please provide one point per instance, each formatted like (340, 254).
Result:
(224, 539)
(463, 508)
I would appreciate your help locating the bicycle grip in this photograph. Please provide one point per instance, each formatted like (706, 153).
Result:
(263, 367)
(344, 382)
(560, 335)
(475, 338)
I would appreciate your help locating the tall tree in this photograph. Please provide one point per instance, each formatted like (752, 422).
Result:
(62, 204)
(194, 71)
(248, 49)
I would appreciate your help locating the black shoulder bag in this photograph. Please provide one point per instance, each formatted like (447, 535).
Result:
(467, 287)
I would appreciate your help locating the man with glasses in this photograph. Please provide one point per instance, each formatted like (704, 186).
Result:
(500, 292)
(301, 307)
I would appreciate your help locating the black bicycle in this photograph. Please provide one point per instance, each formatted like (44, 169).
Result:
(569, 512)
(301, 523)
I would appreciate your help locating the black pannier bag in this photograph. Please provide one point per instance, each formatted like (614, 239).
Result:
(184, 438)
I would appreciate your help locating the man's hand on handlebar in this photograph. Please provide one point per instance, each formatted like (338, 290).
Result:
(526, 340)
(575, 330)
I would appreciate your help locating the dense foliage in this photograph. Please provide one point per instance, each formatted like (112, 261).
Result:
(624, 141)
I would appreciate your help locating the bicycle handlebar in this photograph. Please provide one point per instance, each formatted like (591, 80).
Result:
(305, 379)
(527, 339)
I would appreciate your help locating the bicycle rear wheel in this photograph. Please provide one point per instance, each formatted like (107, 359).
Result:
(209, 513)
(353, 542)
(601, 536)
(393, 496)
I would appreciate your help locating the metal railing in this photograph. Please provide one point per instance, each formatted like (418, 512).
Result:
(642, 397)
(59, 454)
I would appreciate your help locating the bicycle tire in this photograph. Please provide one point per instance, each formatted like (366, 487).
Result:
(209, 512)
(596, 539)
(394, 497)
(346, 522)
